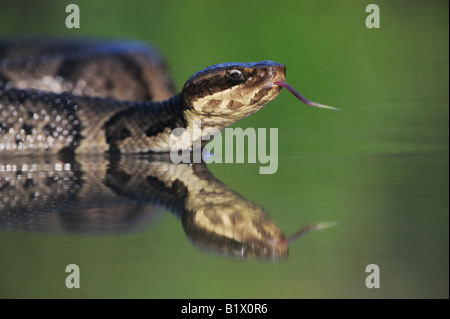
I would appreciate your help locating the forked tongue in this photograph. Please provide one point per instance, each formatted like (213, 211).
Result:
(309, 228)
(302, 98)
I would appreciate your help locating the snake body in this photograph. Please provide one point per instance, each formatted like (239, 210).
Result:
(100, 96)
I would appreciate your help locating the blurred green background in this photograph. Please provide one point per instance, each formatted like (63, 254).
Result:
(380, 166)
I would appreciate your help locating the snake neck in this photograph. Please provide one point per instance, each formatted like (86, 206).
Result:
(145, 126)
(159, 126)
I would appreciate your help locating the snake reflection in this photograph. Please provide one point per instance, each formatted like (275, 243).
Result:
(104, 194)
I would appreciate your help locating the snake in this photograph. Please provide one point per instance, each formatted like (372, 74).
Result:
(97, 96)
(69, 107)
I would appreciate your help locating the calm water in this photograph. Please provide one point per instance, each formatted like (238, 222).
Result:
(379, 167)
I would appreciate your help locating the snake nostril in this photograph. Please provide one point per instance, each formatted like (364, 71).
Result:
(280, 71)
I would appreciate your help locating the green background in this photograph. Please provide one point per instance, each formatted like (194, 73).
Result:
(380, 166)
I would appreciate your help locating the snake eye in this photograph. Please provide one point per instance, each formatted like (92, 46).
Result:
(236, 76)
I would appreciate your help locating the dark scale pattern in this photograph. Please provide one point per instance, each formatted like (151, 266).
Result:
(3, 127)
(103, 75)
(147, 189)
(49, 129)
(35, 121)
(170, 116)
(27, 129)
(144, 119)
(123, 133)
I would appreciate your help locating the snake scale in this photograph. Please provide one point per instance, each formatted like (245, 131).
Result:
(85, 98)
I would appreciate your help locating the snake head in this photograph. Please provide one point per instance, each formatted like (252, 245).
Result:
(234, 227)
(232, 91)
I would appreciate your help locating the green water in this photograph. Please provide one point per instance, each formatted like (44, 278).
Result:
(379, 167)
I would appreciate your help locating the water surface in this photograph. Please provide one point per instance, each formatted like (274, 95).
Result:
(379, 167)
